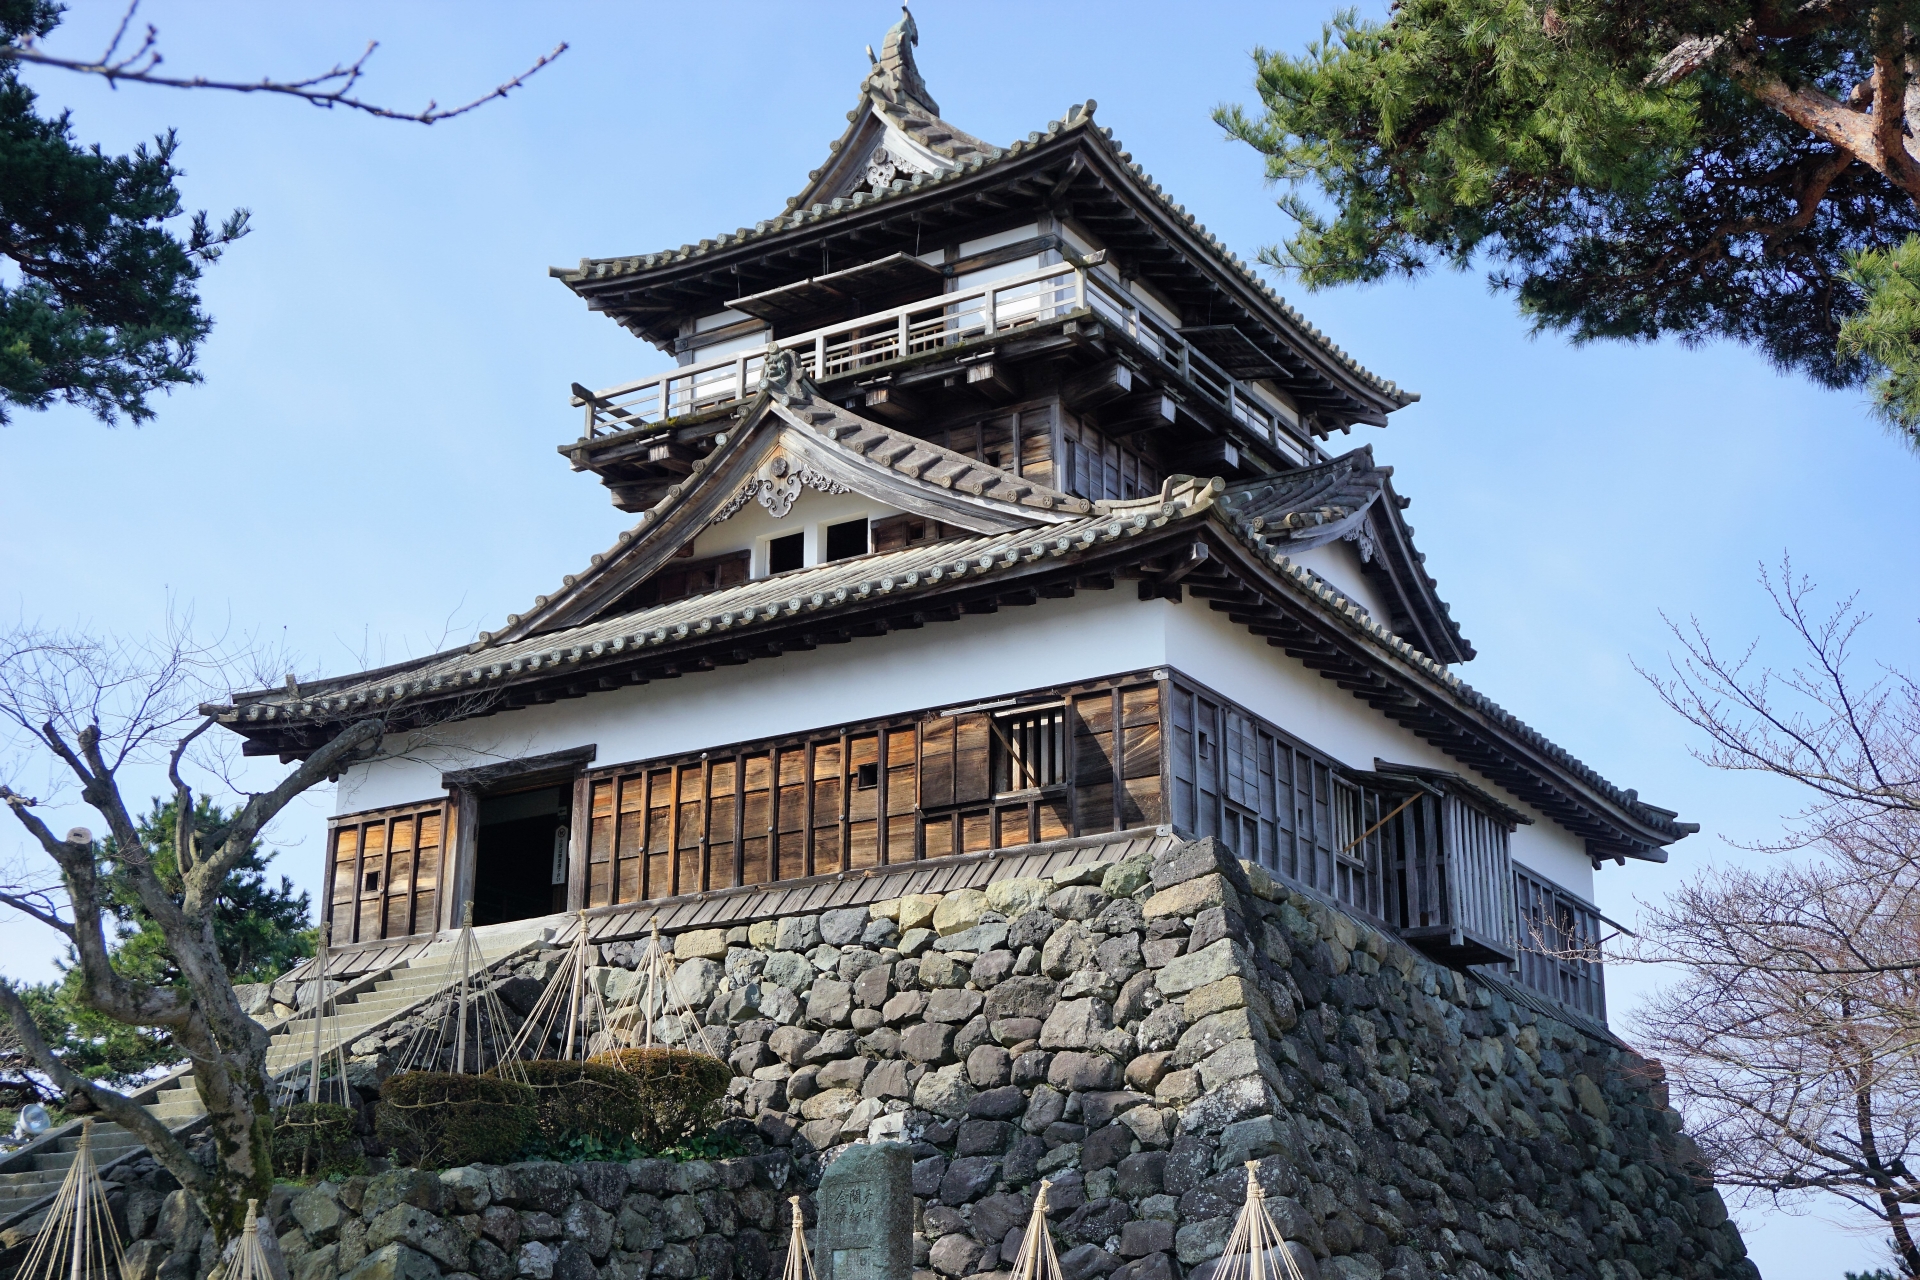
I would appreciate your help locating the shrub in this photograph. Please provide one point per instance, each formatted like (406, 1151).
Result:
(438, 1120)
(314, 1139)
(679, 1092)
(581, 1100)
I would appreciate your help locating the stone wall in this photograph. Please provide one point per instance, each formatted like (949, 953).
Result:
(543, 1221)
(1135, 1033)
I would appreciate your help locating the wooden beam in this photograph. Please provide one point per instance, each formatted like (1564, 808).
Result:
(894, 404)
(1145, 411)
(1098, 386)
(993, 380)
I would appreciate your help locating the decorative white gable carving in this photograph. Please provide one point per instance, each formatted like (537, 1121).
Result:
(775, 486)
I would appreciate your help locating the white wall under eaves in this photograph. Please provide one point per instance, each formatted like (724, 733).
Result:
(1093, 634)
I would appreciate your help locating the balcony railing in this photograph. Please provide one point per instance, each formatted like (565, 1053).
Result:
(986, 311)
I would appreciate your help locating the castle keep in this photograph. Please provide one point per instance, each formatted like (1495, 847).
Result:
(1002, 549)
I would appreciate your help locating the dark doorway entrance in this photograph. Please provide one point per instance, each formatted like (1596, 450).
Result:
(520, 855)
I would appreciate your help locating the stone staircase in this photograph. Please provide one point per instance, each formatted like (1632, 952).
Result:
(175, 1103)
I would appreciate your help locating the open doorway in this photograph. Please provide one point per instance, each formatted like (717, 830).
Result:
(520, 855)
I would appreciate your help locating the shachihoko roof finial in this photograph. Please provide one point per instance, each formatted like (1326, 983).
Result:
(897, 73)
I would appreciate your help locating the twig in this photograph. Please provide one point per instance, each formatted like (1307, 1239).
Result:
(331, 88)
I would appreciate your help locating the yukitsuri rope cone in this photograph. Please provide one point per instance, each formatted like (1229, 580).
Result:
(470, 1005)
(326, 1013)
(570, 1010)
(249, 1258)
(78, 1240)
(1256, 1243)
(799, 1261)
(1037, 1260)
(632, 1022)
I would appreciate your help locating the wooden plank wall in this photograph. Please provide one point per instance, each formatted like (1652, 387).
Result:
(869, 795)
(384, 871)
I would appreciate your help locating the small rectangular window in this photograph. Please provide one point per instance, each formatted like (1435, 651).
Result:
(847, 539)
(1029, 749)
(373, 882)
(867, 777)
(789, 552)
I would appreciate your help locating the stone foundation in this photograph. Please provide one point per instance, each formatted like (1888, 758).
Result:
(1133, 1032)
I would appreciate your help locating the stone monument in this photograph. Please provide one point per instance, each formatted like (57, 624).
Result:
(864, 1230)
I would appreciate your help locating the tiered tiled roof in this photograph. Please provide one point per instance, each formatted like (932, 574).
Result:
(841, 444)
(1431, 699)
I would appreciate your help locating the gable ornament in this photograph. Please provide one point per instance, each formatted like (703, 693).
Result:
(776, 486)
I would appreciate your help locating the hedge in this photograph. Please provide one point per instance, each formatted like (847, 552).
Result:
(582, 1100)
(439, 1120)
(679, 1092)
(314, 1139)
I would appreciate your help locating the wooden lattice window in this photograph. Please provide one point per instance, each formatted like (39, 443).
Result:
(1558, 947)
(384, 872)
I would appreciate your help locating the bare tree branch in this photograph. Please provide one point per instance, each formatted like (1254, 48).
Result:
(331, 88)
(1792, 1036)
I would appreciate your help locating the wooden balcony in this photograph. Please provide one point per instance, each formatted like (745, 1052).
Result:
(871, 345)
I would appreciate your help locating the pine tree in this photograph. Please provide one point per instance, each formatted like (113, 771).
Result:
(1703, 169)
(100, 308)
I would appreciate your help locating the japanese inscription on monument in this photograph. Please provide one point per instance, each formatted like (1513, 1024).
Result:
(865, 1227)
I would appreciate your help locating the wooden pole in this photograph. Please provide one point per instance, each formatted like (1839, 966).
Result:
(319, 1008)
(465, 944)
(799, 1261)
(1037, 1259)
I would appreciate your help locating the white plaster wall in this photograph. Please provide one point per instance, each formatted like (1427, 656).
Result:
(1339, 563)
(1093, 634)
(981, 656)
(753, 525)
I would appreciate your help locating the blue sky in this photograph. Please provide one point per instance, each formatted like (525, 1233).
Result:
(369, 469)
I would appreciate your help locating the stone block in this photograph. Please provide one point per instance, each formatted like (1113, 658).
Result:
(1214, 1032)
(1014, 1032)
(1081, 902)
(928, 1042)
(1073, 1072)
(915, 911)
(981, 937)
(700, 944)
(843, 926)
(398, 1262)
(941, 971)
(1075, 1024)
(1030, 996)
(1013, 898)
(1223, 959)
(958, 911)
(319, 1212)
(988, 1066)
(1068, 949)
(468, 1191)
(416, 1228)
(797, 933)
(1085, 1261)
(790, 1044)
(887, 1080)
(967, 1179)
(1146, 1071)
(694, 983)
(944, 1092)
(1144, 1236)
(589, 1225)
(143, 1260)
(953, 1004)
(534, 1260)
(762, 935)
(1190, 898)
(830, 1003)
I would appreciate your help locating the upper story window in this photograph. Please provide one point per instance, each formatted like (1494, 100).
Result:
(1029, 749)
